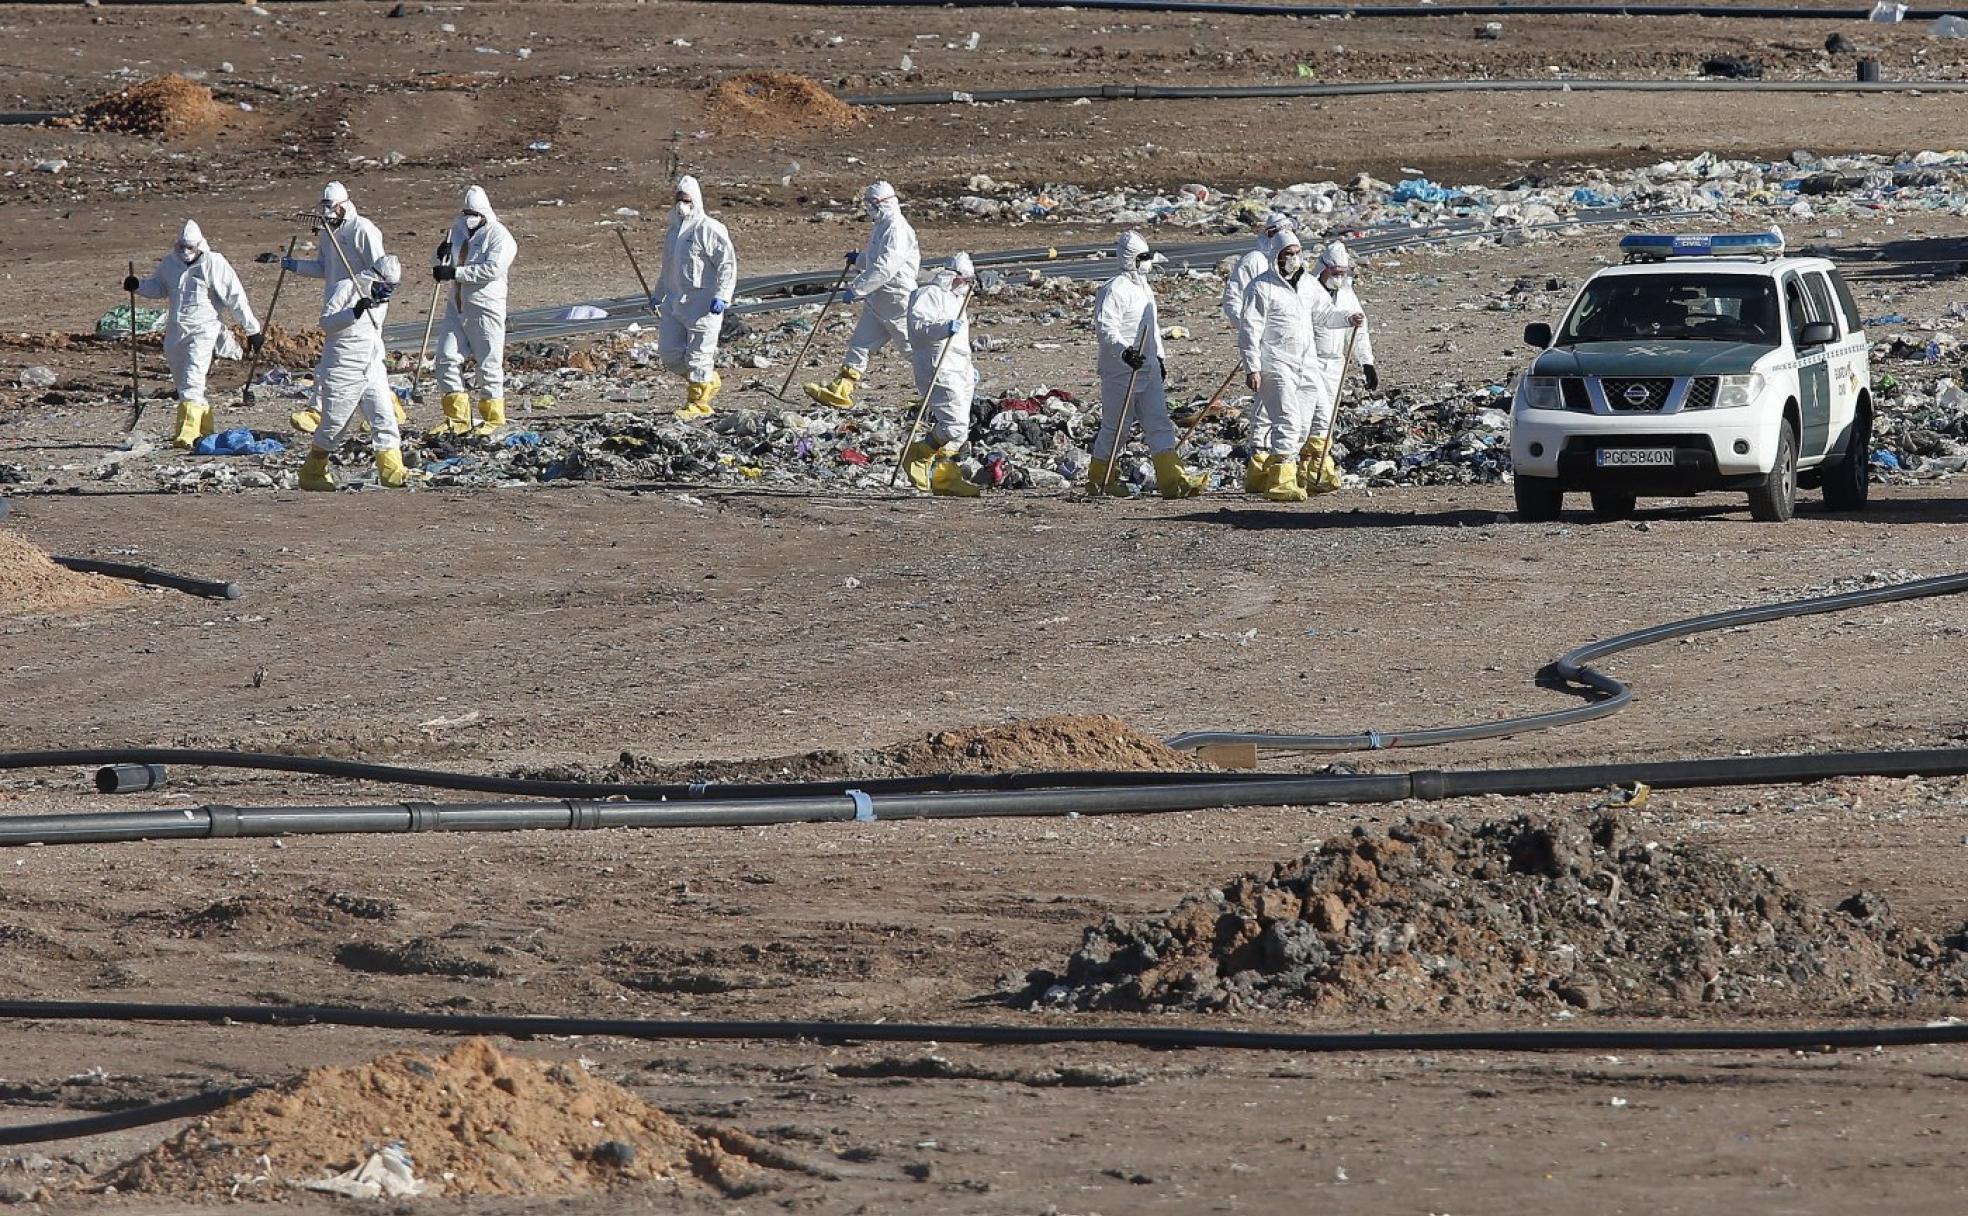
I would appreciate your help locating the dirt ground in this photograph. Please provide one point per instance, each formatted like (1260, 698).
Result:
(560, 627)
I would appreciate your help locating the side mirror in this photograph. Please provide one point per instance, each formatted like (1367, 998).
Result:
(1538, 334)
(1818, 333)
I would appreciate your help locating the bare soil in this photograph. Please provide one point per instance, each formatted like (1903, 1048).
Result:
(33, 585)
(745, 632)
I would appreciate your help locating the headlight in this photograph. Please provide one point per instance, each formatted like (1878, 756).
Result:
(1541, 393)
(1735, 392)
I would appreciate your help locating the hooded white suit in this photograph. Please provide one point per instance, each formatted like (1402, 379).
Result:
(1284, 319)
(475, 316)
(200, 297)
(886, 278)
(361, 242)
(932, 309)
(1124, 315)
(350, 374)
(699, 265)
(1277, 230)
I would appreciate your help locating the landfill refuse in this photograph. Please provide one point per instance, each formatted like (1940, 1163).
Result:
(386, 1174)
(116, 322)
(1732, 67)
(36, 376)
(237, 441)
(1950, 26)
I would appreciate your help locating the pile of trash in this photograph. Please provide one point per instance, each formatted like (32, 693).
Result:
(1527, 915)
(472, 1122)
(1802, 186)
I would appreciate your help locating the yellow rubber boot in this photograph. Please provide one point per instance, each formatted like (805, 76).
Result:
(915, 463)
(492, 414)
(712, 388)
(693, 404)
(839, 394)
(1174, 481)
(402, 415)
(1321, 474)
(1285, 487)
(314, 471)
(305, 421)
(208, 421)
(1255, 473)
(457, 415)
(389, 469)
(947, 480)
(1103, 478)
(191, 423)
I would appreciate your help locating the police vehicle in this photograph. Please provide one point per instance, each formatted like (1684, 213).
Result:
(1708, 362)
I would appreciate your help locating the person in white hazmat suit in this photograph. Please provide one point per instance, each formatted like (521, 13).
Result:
(351, 378)
(1335, 271)
(1131, 373)
(361, 246)
(888, 265)
(694, 287)
(1285, 311)
(939, 349)
(202, 295)
(475, 257)
(1277, 228)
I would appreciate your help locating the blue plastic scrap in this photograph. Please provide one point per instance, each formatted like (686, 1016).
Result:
(1421, 190)
(1883, 459)
(1586, 196)
(238, 441)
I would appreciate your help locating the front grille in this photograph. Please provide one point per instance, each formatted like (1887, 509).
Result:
(1575, 396)
(1701, 393)
(1654, 388)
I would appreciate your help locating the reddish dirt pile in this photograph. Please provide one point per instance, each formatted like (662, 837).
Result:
(163, 107)
(1091, 741)
(31, 584)
(771, 103)
(1521, 915)
(474, 1122)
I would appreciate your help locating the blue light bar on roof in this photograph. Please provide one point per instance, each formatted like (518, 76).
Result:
(1659, 246)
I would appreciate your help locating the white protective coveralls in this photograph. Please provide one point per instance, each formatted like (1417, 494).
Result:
(699, 274)
(1124, 318)
(352, 380)
(1285, 320)
(885, 278)
(475, 316)
(1332, 342)
(946, 379)
(360, 240)
(1278, 227)
(201, 296)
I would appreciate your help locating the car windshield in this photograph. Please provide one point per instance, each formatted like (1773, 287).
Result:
(1678, 308)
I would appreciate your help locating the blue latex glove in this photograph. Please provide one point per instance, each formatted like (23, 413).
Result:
(854, 258)
(718, 307)
(381, 292)
(954, 327)
(848, 296)
(290, 265)
(655, 303)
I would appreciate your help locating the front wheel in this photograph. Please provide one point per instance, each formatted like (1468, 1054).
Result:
(1611, 504)
(1846, 486)
(1539, 500)
(1775, 500)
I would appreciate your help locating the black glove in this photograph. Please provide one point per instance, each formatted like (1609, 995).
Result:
(444, 273)
(854, 257)
(1161, 365)
(1372, 376)
(130, 282)
(255, 343)
(1133, 358)
(363, 305)
(443, 254)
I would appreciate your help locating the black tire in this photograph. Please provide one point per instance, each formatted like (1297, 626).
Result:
(1775, 500)
(1847, 485)
(1539, 500)
(1612, 504)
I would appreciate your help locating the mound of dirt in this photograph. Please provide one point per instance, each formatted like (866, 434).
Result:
(31, 584)
(1523, 915)
(474, 1122)
(1093, 741)
(163, 107)
(773, 103)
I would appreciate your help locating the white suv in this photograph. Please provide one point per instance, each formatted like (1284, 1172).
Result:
(1702, 363)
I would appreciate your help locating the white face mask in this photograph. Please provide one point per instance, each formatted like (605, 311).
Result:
(1289, 263)
(189, 255)
(474, 222)
(333, 215)
(1336, 279)
(874, 210)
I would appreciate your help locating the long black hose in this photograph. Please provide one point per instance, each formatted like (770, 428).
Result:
(1125, 796)
(1244, 8)
(211, 589)
(1376, 88)
(1158, 1037)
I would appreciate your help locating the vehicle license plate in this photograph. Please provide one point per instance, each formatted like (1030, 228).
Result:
(1610, 458)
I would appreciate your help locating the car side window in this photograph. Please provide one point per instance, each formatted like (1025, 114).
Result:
(1821, 309)
(1795, 310)
(1846, 304)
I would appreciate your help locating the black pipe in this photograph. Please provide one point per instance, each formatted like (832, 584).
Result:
(123, 1120)
(211, 589)
(1117, 798)
(1154, 92)
(1242, 8)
